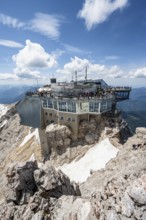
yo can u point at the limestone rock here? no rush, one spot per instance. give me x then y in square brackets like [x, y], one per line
[138, 190]
[74, 208]
[90, 139]
[127, 205]
[53, 183]
[112, 215]
[59, 138]
[20, 182]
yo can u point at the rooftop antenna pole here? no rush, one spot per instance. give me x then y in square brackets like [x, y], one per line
[76, 76]
[37, 83]
[72, 77]
[86, 73]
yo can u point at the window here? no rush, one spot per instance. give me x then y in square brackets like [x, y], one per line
[46, 113]
[55, 105]
[50, 114]
[73, 119]
[62, 106]
[47, 104]
[61, 118]
[71, 107]
[44, 103]
[103, 106]
[69, 119]
[94, 106]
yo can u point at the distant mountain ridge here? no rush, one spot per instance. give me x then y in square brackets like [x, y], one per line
[134, 109]
[10, 94]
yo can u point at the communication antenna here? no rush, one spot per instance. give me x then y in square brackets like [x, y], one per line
[37, 83]
[76, 77]
[72, 77]
[86, 73]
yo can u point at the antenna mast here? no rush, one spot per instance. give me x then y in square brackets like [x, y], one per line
[86, 73]
[76, 77]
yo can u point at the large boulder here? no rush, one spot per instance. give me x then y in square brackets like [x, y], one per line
[138, 190]
[20, 182]
[59, 138]
[54, 183]
[32, 191]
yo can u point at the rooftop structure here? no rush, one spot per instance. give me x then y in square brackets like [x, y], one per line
[69, 103]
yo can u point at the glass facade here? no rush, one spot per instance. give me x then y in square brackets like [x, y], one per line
[103, 106]
[62, 106]
[47, 104]
[71, 107]
[93, 106]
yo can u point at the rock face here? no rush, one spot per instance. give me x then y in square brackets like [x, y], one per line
[59, 139]
[39, 192]
[108, 125]
[31, 191]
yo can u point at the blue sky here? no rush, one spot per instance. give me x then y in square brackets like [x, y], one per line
[40, 39]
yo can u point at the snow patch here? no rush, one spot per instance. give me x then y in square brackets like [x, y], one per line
[32, 157]
[3, 110]
[29, 136]
[94, 159]
[3, 123]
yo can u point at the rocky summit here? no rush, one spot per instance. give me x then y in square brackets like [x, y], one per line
[99, 176]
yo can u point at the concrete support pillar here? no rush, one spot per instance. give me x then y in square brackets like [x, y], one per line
[45, 151]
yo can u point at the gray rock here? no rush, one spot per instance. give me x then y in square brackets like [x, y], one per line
[144, 216]
[53, 183]
[138, 213]
[127, 205]
[90, 139]
[138, 190]
[20, 182]
[111, 215]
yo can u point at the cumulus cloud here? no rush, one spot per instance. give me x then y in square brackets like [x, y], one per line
[8, 43]
[31, 59]
[95, 12]
[10, 21]
[94, 70]
[138, 73]
[8, 76]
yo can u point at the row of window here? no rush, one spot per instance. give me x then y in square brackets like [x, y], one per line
[71, 106]
[61, 106]
[61, 118]
[68, 119]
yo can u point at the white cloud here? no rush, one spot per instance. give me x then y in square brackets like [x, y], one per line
[8, 43]
[138, 73]
[112, 57]
[97, 11]
[8, 76]
[73, 49]
[31, 59]
[27, 73]
[94, 70]
[10, 21]
[45, 24]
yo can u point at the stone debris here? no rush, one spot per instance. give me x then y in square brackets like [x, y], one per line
[31, 192]
[36, 191]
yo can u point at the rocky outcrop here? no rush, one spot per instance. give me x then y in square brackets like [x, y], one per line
[31, 192]
[109, 124]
